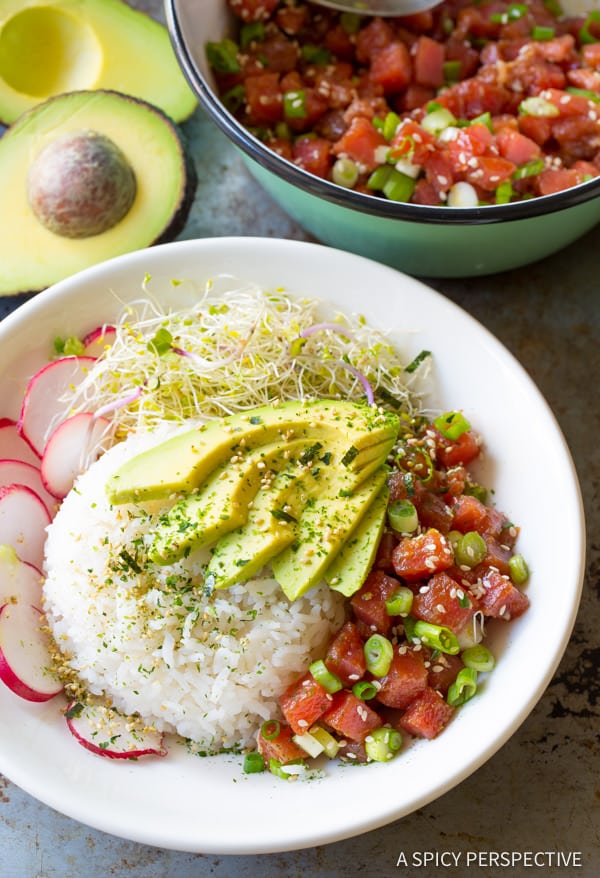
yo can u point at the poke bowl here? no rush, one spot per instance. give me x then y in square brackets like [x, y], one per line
[367, 131]
[171, 786]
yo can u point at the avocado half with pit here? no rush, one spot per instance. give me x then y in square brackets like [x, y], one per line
[49, 47]
[84, 177]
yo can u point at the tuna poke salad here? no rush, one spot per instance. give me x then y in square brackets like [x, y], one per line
[466, 104]
[235, 527]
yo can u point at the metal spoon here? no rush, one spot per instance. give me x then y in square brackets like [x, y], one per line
[379, 7]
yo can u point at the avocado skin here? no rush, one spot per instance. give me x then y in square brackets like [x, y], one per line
[135, 231]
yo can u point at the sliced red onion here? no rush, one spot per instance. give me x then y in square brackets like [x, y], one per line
[119, 403]
[322, 327]
[189, 354]
[363, 380]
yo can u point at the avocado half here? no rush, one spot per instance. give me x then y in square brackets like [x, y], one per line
[49, 47]
[31, 255]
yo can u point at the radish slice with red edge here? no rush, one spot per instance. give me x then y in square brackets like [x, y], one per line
[98, 340]
[12, 444]
[23, 522]
[17, 472]
[42, 410]
[105, 732]
[19, 581]
[72, 447]
[24, 655]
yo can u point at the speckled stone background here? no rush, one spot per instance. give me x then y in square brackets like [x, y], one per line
[541, 791]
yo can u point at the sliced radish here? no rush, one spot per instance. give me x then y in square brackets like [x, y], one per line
[42, 410]
[16, 472]
[19, 581]
[24, 655]
[108, 733]
[96, 341]
[12, 444]
[23, 522]
[73, 446]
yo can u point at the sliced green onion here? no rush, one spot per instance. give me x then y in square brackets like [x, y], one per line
[294, 104]
[234, 99]
[414, 364]
[270, 729]
[253, 763]
[454, 537]
[400, 603]
[452, 425]
[350, 22]
[403, 516]
[279, 769]
[437, 637]
[222, 56]
[463, 688]
[452, 71]
[399, 186]
[315, 54]
[390, 123]
[365, 690]
[327, 741]
[483, 119]
[382, 744]
[379, 177]
[321, 673]
[542, 33]
[251, 32]
[345, 172]
[416, 461]
[409, 628]
[309, 744]
[512, 13]
[529, 169]
[478, 658]
[504, 193]
[437, 119]
[518, 569]
[470, 550]
[585, 34]
[554, 8]
[538, 107]
[584, 93]
[378, 655]
[474, 489]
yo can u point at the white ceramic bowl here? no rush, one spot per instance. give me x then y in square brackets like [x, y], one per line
[207, 804]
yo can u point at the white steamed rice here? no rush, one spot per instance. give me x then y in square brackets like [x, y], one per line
[210, 669]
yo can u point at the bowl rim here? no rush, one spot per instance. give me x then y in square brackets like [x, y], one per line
[347, 198]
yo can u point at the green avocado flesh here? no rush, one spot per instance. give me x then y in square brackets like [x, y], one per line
[50, 47]
[96, 147]
[295, 485]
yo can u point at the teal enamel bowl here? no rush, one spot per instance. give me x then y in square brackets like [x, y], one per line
[419, 240]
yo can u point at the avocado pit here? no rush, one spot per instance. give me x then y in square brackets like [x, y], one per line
[81, 185]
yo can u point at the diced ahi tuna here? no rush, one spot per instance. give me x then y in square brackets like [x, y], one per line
[421, 556]
[351, 717]
[443, 602]
[282, 747]
[368, 604]
[346, 656]
[427, 715]
[501, 599]
[304, 702]
[406, 678]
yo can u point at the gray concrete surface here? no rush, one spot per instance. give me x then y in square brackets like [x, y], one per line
[541, 791]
